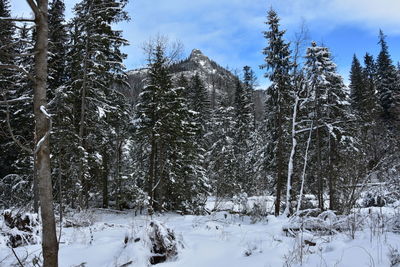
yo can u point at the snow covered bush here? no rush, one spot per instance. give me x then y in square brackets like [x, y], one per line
[19, 229]
[164, 245]
[373, 199]
[259, 211]
[240, 202]
[394, 256]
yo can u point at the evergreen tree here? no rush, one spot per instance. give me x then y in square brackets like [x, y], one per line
[277, 61]
[16, 162]
[221, 157]
[249, 81]
[357, 86]
[370, 102]
[386, 78]
[165, 133]
[199, 102]
[58, 40]
[244, 127]
[95, 68]
[328, 107]
[7, 56]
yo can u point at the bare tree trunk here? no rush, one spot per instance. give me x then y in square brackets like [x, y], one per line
[118, 172]
[83, 194]
[35, 184]
[105, 179]
[42, 150]
[279, 182]
[319, 160]
[303, 175]
[291, 158]
[332, 175]
[152, 171]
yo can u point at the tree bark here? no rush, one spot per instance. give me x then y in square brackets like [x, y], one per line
[279, 158]
[291, 158]
[105, 179]
[42, 150]
[319, 157]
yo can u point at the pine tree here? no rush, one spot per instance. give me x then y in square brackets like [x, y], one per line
[221, 157]
[16, 166]
[386, 80]
[329, 110]
[58, 40]
[199, 102]
[166, 130]
[370, 101]
[95, 67]
[7, 56]
[249, 81]
[276, 126]
[357, 86]
[244, 128]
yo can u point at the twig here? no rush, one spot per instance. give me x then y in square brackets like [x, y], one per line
[16, 256]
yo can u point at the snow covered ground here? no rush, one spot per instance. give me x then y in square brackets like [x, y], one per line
[220, 239]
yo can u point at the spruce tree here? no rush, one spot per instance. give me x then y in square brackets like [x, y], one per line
[357, 86]
[95, 68]
[221, 157]
[7, 56]
[16, 165]
[249, 81]
[370, 101]
[328, 106]
[386, 85]
[165, 133]
[199, 101]
[277, 62]
[58, 40]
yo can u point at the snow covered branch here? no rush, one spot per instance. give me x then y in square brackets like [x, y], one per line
[15, 67]
[12, 101]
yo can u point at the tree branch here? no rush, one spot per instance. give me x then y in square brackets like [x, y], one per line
[17, 19]
[12, 101]
[10, 129]
[15, 67]
[34, 7]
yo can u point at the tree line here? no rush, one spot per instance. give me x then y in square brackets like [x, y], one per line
[181, 143]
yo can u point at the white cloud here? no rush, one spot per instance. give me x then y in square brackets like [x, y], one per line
[367, 14]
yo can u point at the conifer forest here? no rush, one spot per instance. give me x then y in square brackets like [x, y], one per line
[184, 162]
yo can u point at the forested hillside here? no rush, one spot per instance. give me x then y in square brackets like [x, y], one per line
[180, 132]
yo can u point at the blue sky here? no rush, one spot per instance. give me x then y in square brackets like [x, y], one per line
[230, 31]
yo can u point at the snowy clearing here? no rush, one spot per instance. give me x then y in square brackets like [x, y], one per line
[221, 239]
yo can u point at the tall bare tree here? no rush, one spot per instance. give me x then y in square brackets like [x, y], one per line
[42, 129]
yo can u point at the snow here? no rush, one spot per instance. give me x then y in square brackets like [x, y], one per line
[101, 112]
[219, 239]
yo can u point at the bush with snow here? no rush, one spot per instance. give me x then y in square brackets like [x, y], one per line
[164, 244]
[19, 229]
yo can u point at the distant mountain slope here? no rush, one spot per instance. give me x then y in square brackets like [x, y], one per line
[219, 81]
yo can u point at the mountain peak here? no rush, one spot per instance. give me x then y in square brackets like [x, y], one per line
[201, 60]
[196, 53]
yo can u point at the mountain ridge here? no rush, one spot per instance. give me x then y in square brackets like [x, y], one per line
[219, 81]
